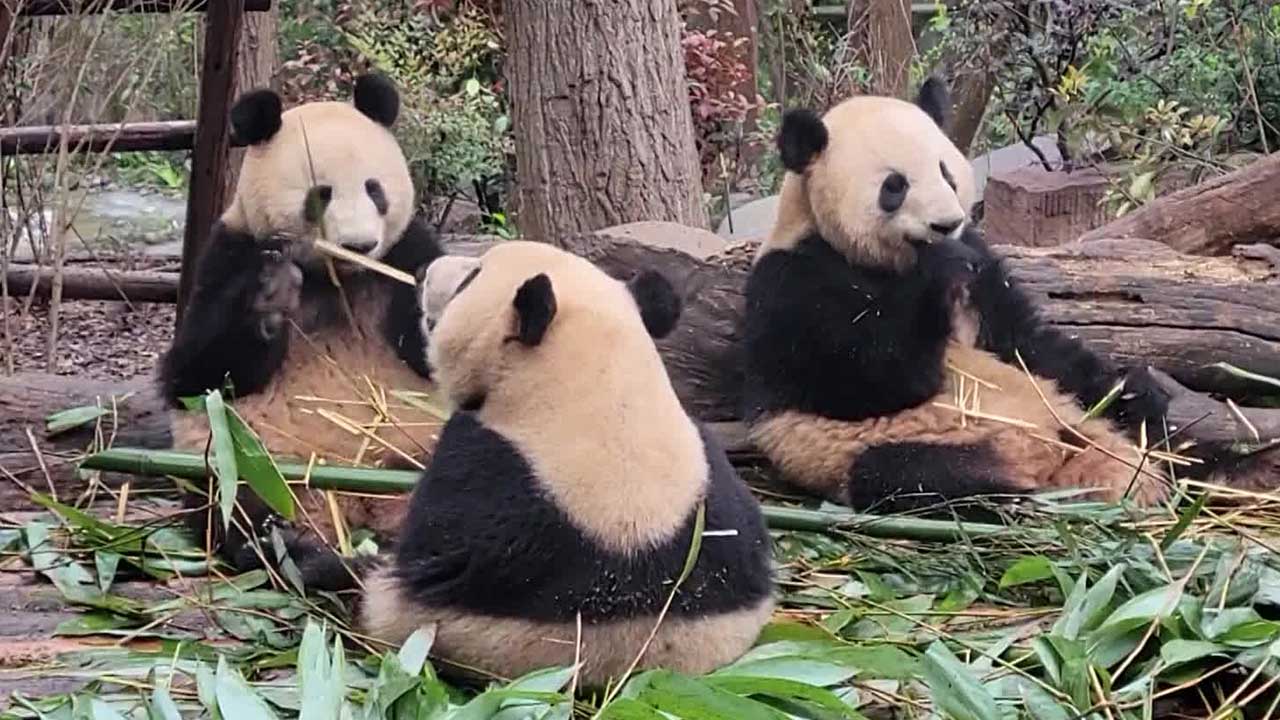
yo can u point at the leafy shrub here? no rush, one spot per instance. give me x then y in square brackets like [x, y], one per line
[446, 60]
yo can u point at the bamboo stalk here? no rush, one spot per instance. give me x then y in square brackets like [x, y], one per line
[376, 480]
[344, 254]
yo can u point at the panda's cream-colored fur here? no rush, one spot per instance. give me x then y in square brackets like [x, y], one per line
[588, 406]
[324, 143]
[624, 419]
[1000, 405]
[837, 196]
[869, 137]
[604, 649]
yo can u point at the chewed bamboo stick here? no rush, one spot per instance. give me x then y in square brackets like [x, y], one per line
[342, 253]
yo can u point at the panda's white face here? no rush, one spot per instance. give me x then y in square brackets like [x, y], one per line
[887, 180]
[329, 171]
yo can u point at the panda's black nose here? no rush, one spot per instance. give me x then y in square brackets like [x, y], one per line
[946, 227]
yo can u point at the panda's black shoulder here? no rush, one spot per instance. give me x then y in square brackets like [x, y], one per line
[419, 246]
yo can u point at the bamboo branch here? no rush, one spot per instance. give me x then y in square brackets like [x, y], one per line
[375, 480]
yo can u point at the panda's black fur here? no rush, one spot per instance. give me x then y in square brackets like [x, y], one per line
[265, 321]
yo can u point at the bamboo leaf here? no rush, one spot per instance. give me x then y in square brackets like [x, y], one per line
[224, 454]
[257, 468]
[162, 706]
[413, 654]
[236, 699]
[1028, 569]
[72, 418]
[954, 688]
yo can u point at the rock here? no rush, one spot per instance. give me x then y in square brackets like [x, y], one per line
[464, 217]
[661, 234]
[1012, 157]
[750, 221]
[1034, 207]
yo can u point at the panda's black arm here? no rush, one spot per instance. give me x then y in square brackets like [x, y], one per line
[219, 336]
[823, 337]
[1010, 322]
[417, 248]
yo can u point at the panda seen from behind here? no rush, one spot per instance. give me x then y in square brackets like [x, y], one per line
[875, 313]
[302, 340]
[567, 483]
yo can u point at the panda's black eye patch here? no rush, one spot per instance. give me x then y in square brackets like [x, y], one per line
[377, 195]
[946, 175]
[893, 192]
[317, 202]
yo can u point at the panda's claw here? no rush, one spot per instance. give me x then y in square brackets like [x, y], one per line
[279, 294]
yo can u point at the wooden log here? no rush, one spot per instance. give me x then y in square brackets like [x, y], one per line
[207, 194]
[1135, 301]
[82, 283]
[92, 7]
[104, 137]
[1209, 218]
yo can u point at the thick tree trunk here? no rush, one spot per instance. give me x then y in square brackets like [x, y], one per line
[1209, 218]
[882, 41]
[258, 66]
[601, 116]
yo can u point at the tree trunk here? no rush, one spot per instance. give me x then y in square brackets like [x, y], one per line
[258, 67]
[970, 94]
[600, 108]
[1212, 217]
[882, 41]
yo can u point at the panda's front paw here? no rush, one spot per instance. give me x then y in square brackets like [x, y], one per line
[279, 294]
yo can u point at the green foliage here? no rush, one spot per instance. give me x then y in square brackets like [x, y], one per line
[1168, 88]
[455, 129]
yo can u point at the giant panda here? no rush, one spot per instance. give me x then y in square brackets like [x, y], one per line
[875, 311]
[566, 484]
[306, 351]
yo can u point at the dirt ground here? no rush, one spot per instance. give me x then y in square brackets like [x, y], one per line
[96, 339]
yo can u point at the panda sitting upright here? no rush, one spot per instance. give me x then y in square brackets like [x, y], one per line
[562, 498]
[292, 339]
[881, 335]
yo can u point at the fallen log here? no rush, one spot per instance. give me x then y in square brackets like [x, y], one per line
[1135, 301]
[95, 283]
[1209, 218]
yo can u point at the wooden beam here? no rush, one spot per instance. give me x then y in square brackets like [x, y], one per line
[90, 7]
[104, 137]
[207, 194]
[82, 283]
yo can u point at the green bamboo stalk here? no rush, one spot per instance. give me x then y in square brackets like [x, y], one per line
[192, 466]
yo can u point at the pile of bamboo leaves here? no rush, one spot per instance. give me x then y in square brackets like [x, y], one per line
[1068, 610]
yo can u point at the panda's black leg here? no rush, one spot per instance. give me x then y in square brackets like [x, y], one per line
[233, 328]
[913, 476]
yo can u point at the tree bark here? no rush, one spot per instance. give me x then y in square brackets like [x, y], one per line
[600, 108]
[882, 41]
[969, 97]
[1212, 217]
[258, 68]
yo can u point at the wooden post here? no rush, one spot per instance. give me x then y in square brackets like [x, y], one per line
[207, 193]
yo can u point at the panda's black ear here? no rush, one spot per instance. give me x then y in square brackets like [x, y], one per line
[255, 117]
[377, 97]
[802, 137]
[535, 305]
[935, 100]
[659, 304]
